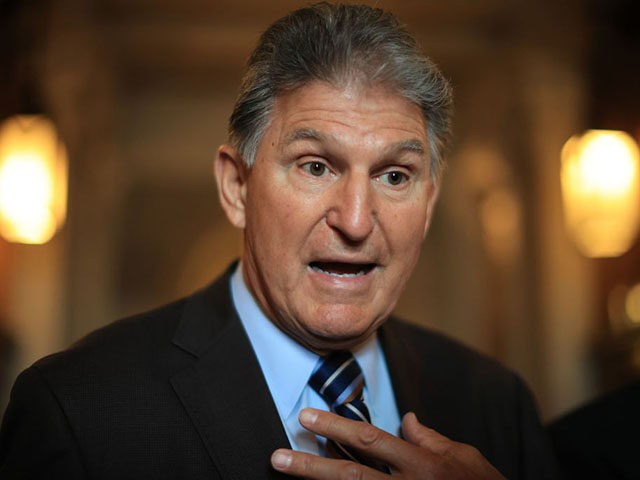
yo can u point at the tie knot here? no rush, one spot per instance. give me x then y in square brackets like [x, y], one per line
[339, 381]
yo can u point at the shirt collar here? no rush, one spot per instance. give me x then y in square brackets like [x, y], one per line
[278, 353]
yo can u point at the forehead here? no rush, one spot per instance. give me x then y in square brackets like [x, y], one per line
[319, 111]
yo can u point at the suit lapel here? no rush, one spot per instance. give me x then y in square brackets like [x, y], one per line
[430, 378]
[410, 377]
[223, 389]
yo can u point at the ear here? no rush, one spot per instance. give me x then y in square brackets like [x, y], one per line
[231, 173]
[434, 192]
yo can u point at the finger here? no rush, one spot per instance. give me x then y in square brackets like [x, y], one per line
[372, 442]
[312, 467]
[418, 434]
[463, 456]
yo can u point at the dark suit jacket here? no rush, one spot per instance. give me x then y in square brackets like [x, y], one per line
[600, 439]
[178, 393]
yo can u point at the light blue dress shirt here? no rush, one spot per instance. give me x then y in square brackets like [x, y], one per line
[287, 366]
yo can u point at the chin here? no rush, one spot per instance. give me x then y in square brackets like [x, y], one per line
[344, 330]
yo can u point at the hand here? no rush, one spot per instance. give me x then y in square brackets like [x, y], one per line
[423, 454]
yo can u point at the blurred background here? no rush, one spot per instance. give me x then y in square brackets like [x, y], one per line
[139, 92]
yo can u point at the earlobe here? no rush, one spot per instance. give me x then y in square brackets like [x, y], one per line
[231, 174]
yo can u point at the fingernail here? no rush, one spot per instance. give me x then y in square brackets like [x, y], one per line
[280, 459]
[308, 417]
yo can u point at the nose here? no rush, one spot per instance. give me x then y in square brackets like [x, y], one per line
[351, 210]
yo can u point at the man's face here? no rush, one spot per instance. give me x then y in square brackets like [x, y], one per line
[335, 210]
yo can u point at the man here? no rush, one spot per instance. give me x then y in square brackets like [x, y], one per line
[332, 171]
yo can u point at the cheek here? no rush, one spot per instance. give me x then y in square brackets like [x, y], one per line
[407, 227]
[276, 228]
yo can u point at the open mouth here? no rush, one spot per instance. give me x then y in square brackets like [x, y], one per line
[342, 269]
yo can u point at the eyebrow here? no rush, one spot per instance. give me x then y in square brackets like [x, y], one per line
[412, 145]
[305, 134]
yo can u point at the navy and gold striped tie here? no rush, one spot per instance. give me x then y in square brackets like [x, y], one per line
[339, 381]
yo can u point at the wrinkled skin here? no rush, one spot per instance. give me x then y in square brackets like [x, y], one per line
[334, 210]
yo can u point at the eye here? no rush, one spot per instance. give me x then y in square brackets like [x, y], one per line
[317, 169]
[394, 178]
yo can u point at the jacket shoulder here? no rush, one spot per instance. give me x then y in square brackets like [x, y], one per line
[128, 340]
[441, 353]
[468, 397]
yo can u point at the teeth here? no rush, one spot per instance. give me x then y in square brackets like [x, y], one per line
[340, 275]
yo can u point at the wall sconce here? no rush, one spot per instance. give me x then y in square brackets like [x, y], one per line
[33, 179]
[601, 191]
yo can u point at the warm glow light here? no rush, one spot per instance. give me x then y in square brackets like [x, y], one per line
[632, 304]
[601, 191]
[33, 180]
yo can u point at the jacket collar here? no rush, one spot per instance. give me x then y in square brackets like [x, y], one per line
[223, 389]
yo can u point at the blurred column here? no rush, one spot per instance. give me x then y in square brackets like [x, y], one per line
[556, 95]
[78, 81]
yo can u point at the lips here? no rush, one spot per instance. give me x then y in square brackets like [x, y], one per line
[342, 269]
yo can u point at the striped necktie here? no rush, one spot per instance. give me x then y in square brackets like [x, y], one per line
[339, 381]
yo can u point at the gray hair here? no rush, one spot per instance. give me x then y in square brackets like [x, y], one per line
[339, 44]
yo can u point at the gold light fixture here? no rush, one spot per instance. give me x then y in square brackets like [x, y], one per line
[33, 179]
[601, 191]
